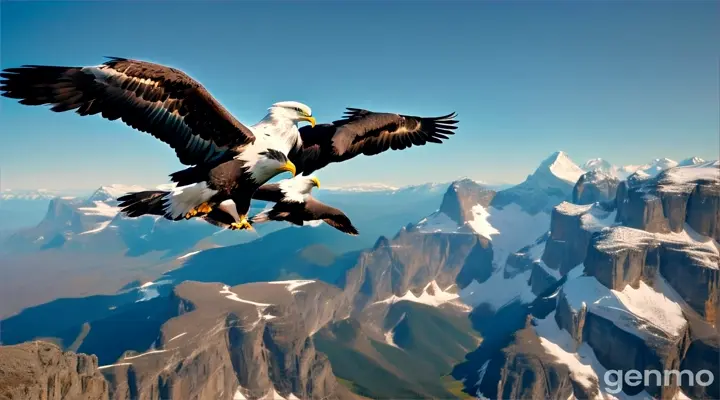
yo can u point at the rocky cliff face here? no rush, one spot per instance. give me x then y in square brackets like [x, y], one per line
[257, 340]
[251, 340]
[40, 370]
[396, 267]
[530, 373]
[603, 296]
[595, 186]
[461, 197]
[631, 298]
[674, 197]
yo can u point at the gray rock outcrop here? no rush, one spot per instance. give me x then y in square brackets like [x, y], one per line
[41, 370]
[461, 197]
[595, 186]
[252, 339]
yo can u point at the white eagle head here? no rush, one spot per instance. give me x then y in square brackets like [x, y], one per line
[296, 112]
[269, 163]
[299, 187]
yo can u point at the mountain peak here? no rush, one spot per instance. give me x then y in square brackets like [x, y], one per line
[599, 164]
[561, 166]
[112, 192]
[461, 196]
[691, 161]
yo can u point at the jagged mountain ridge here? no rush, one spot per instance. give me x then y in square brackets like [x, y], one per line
[623, 172]
[376, 312]
[617, 267]
[425, 281]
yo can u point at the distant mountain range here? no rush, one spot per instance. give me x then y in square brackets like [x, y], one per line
[25, 208]
[461, 290]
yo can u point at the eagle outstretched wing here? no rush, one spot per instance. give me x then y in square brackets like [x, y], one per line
[369, 133]
[152, 98]
[330, 215]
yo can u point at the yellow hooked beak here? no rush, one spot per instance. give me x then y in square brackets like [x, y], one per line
[289, 167]
[316, 181]
[311, 120]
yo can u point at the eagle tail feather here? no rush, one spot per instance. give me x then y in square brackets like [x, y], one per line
[151, 202]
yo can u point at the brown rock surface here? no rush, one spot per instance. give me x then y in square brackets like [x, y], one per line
[40, 370]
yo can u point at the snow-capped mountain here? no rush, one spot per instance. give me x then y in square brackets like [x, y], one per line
[24, 208]
[650, 169]
[559, 166]
[110, 193]
[29, 194]
[551, 183]
[636, 275]
[560, 293]
[94, 224]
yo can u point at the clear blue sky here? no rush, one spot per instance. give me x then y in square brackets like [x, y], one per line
[628, 82]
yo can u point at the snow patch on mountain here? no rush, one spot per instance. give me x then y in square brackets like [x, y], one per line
[190, 254]
[592, 217]
[563, 167]
[650, 169]
[112, 192]
[535, 253]
[509, 228]
[682, 179]
[480, 223]
[582, 363]
[658, 165]
[100, 209]
[431, 295]
[691, 161]
[516, 229]
[390, 334]
[498, 291]
[702, 248]
[438, 222]
[291, 286]
[233, 296]
[652, 308]
[149, 290]
[98, 228]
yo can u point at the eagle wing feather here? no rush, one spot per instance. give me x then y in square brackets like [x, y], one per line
[151, 98]
[369, 133]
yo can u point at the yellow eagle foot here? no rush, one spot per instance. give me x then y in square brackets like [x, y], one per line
[202, 209]
[243, 224]
[191, 213]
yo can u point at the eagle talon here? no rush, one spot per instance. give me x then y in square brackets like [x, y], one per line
[203, 208]
[243, 224]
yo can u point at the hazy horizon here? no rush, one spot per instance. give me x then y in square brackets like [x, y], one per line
[482, 179]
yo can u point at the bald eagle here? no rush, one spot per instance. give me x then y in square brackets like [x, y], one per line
[293, 204]
[228, 160]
